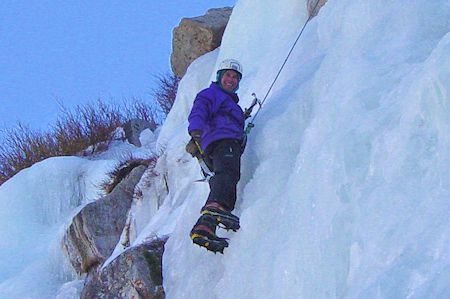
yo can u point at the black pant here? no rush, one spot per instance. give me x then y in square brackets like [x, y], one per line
[224, 158]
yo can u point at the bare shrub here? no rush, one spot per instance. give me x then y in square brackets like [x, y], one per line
[136, 108]
[86, 126]
[89, 126]
[75, 130]
[22, 147]
[166, 91]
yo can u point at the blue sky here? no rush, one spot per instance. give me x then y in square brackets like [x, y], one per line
[75, 52]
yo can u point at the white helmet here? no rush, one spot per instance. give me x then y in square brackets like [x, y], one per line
[231, 64]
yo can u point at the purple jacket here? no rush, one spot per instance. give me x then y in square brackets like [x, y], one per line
[217, 114]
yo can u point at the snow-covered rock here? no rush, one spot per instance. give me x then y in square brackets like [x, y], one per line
[133, 129]
[136, 273]
[314, 6]
[96, 229]
[194, 37]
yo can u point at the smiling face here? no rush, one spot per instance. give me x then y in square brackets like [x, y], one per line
[229, 80]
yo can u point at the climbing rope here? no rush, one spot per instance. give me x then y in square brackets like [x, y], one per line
[251, 124]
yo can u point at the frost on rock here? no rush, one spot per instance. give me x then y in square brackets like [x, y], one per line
[136, 273]
[314, 6]
[95, 230]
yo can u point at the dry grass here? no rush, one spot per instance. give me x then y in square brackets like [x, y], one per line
[90, 126]
[123, 169]
[86, 126]
[23, 147]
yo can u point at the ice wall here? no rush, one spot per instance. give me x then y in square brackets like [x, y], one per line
[35, 205]
[345, 186]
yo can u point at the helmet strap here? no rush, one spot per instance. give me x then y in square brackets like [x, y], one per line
[219, 76]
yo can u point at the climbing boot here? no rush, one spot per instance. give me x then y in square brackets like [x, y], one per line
[204, 234]
[224, 218]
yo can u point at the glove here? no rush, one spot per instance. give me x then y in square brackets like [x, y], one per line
[193, 145]
[196, 135]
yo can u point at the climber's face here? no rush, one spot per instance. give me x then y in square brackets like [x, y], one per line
[229, 80]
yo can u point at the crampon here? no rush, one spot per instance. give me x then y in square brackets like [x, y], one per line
[225, 219]
[204, 234]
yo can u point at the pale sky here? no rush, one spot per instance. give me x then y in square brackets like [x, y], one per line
[78, 51]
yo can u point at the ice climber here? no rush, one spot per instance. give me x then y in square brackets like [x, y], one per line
[216, 125]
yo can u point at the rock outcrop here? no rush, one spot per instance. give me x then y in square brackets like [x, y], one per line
[314, 6]
[96, 229]
[136, 273]
[134, 128]
[196, 36]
